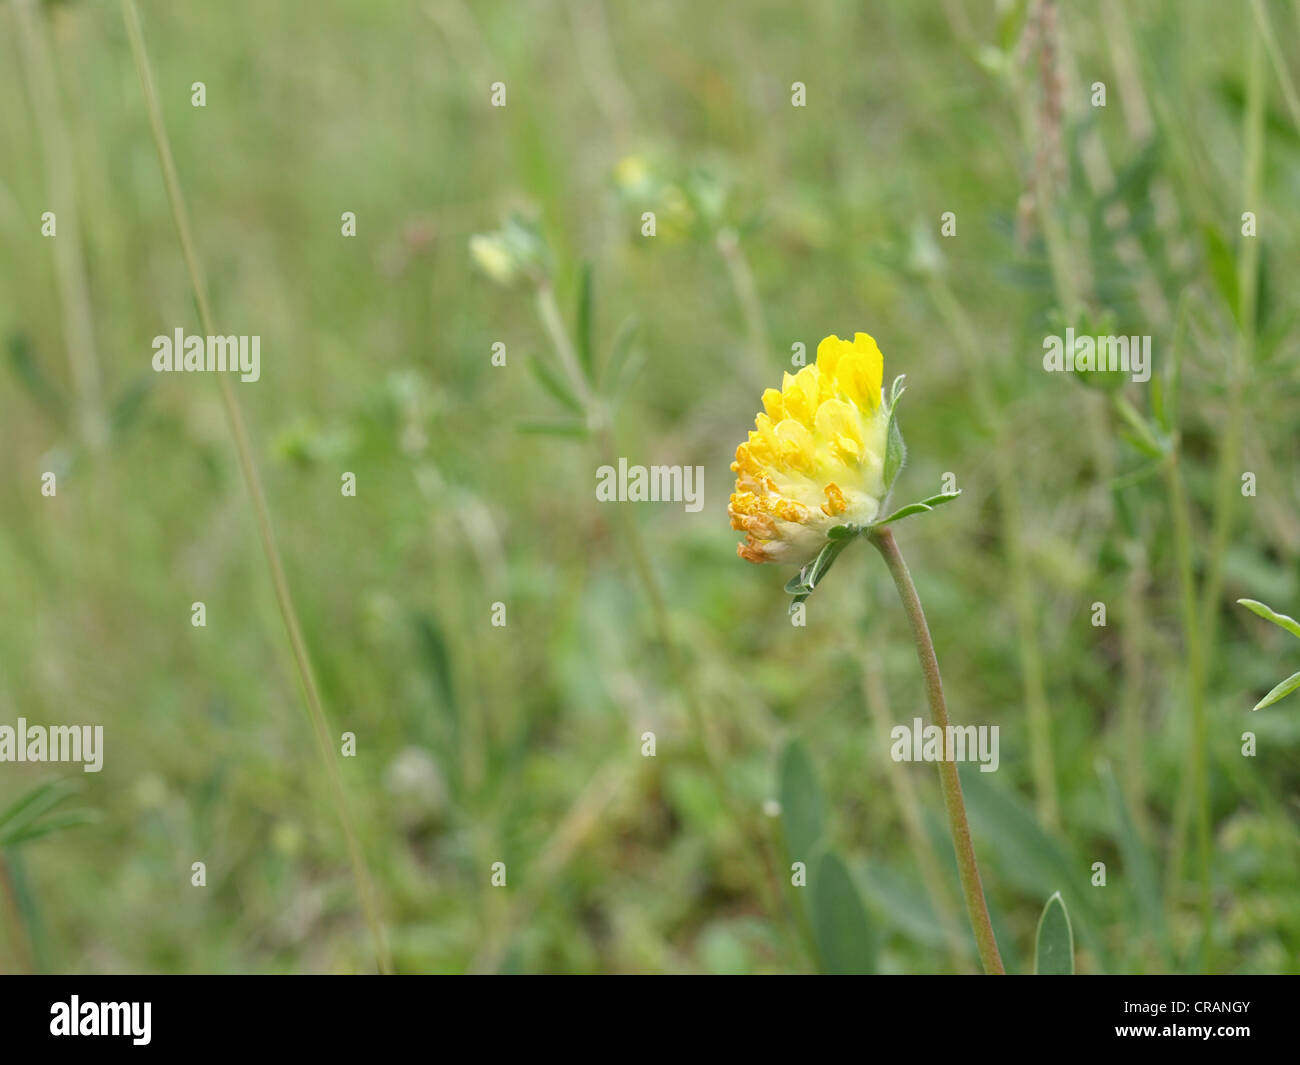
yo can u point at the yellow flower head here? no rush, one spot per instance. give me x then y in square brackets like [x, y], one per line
[816, 457]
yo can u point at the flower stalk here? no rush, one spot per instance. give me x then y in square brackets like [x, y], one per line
[882, 539]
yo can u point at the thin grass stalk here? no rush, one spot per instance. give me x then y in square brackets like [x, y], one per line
[253, 481]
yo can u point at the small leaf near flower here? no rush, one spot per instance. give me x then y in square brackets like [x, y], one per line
[919, 508]
[1269, 614]
[895, 449]
[802, 585]
[1280, 692]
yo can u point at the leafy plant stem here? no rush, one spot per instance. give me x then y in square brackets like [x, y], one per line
[549, 312]
[954, 805]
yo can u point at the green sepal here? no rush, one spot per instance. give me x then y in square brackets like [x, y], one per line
[895, 449]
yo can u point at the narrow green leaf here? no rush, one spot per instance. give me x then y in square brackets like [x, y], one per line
[554, 385]
[842, 532]
[627, 375]
[1054, 945]
[919, 508]
[840, 924]
[1223, 269]
[895, 452]
[1269, 614]
[1280, 692]
[895, 449]
[620, 351]
[1164, 391]
[1143, 437]
[36, 802]
[896, 391]
[49, 826]
[585, 348]
[29, 372]
[802, 804]
[810, 574]
[904, 512]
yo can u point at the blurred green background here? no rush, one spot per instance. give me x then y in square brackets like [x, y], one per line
[776, 225]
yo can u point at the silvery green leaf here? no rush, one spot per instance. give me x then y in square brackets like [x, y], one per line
[1269, 614]
[810, 575]
[896, 391]
[904, 512]
[919, 508]
[1280, 692]
[1054, 945]
[895, 452]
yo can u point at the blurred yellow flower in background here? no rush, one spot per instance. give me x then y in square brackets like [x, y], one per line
[816, 457]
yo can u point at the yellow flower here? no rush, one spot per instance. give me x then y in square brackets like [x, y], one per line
[816, 457]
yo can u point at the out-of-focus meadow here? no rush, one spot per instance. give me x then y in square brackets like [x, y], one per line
[775, 225]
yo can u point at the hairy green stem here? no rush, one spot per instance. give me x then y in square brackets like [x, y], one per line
[253, 480]
[955, 806]
[909, 807]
